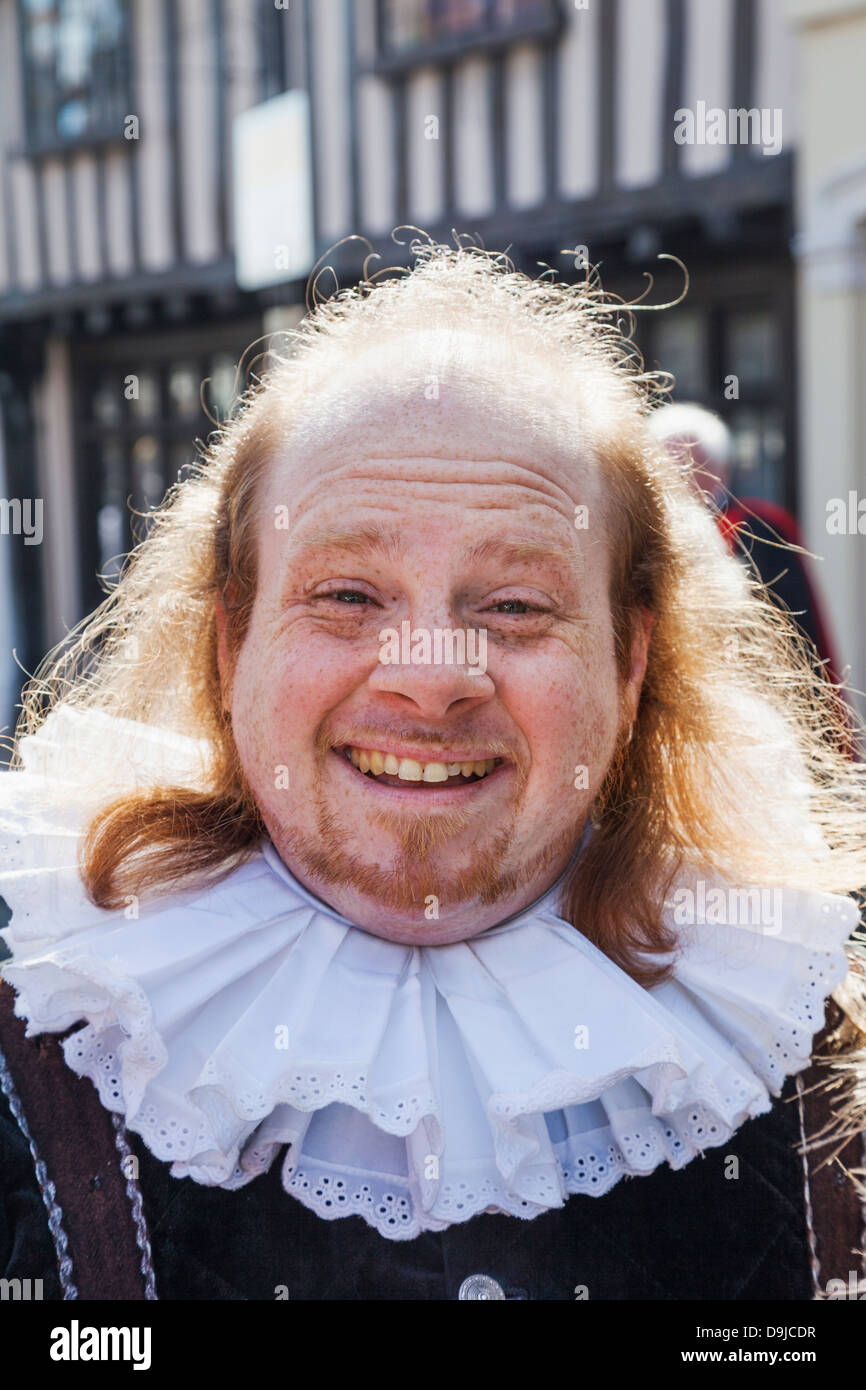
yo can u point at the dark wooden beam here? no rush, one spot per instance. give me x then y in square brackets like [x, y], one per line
[672, 98]
[550, 98]
[178, 280]
[102, 215]
[351, 55]
[132, 149]
[743, 40]
[607, 106]
[70, 205]
[310, 80]
[446, 136]
[221, 79]
[171, 39]
[10, 224]
[38, 172]
[399, 152]
[498, 133]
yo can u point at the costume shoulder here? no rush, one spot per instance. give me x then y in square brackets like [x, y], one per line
[66, 1174]
[834, 1137]
[28, 1259]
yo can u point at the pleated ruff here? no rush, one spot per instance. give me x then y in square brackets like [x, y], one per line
[247, 1022]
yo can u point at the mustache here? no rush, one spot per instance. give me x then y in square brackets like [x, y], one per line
[493, 745]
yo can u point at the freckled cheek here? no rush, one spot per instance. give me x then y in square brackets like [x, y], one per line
[568, 712]
[282, 696]
[595, 697]
[597, 736]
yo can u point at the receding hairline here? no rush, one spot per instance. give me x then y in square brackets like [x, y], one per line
[402, 373]
[330, 411]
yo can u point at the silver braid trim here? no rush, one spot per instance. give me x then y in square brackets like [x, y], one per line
[133, 1192]
[807, 1193]
[46, 1186]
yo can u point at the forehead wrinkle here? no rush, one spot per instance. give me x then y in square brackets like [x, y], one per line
[520, 550]
[423, 468]
[390, 542]
[358, 540]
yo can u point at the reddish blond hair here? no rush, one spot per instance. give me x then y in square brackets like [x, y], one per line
[734, 721]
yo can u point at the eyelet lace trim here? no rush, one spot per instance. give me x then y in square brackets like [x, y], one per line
[120, 1061]
[217, 1133]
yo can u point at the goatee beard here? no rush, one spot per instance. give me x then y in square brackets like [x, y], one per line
[413, 878]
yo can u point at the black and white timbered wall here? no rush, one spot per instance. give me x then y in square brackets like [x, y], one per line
[544, 117]
[534, 124]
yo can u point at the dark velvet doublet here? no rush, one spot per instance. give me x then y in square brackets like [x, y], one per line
[700, 1233]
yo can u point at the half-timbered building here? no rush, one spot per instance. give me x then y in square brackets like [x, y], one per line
[544, 127]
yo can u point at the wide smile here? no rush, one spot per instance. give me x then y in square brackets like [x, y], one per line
[394, 773]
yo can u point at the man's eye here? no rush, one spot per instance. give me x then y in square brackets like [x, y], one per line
[347, 595]
[517, 606]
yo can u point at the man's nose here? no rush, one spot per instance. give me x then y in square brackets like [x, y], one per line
[435, 668]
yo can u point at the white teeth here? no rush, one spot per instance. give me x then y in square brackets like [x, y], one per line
[370, 760]
[435, 772]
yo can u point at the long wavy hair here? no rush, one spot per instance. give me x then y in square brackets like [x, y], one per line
[736, 763]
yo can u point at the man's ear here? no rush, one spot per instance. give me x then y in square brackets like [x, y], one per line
[643, 622]
[225, 664]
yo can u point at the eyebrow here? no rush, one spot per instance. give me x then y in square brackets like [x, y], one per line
[389, 541]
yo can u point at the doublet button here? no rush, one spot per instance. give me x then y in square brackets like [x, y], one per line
[480, 1286]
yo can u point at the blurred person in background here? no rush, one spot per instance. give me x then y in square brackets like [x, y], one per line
[762, 533]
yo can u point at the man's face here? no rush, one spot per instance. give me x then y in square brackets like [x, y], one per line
[448, 504]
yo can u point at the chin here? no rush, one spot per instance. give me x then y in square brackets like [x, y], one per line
[407, 930]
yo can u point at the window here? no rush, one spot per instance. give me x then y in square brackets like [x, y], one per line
[142, 404]
[735, 359]
[412, 31]
[753, 347]
[76, 66]
[680, 344]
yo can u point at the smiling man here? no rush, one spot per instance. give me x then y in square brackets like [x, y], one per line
[424, 780]
[426, 953]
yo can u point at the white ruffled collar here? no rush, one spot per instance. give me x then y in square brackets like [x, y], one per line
[414, 1086]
